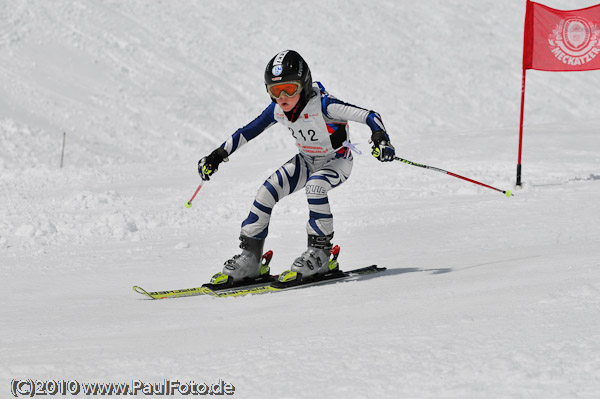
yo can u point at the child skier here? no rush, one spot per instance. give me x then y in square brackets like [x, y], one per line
[319, 123]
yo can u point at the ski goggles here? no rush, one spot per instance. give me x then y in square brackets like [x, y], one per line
[289, 89]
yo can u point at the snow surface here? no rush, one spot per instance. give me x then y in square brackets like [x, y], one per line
[485, 297]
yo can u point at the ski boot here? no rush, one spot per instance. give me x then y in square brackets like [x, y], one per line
[318, 260]
[249, 267]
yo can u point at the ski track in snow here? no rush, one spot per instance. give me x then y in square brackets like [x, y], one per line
[484, 297]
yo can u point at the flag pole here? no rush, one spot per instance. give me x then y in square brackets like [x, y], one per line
[519, 185]
[527, 60]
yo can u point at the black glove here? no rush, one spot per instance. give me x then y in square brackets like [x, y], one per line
[210, 164]
[383, 150]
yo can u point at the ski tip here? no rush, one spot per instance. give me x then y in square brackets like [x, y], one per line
[142, 291]
[139, 290]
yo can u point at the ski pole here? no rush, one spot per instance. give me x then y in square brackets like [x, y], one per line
[508, 193]
[189, 203]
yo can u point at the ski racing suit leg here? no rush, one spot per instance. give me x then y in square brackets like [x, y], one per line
[288, 179]
[326, 174]
[317, 175]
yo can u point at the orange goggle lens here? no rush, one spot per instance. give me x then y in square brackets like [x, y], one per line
[290, 89]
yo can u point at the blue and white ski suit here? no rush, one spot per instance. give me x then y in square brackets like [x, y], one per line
[324, 160]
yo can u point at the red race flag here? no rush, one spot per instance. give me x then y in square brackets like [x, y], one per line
[557, 40]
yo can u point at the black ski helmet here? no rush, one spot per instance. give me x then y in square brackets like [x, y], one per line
[289, 66]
